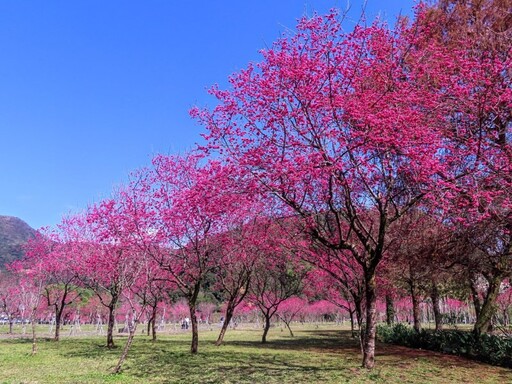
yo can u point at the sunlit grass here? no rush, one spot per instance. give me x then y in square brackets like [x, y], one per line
[323, 354]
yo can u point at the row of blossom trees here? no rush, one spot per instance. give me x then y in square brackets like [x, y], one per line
[367, 163]
[183, 224]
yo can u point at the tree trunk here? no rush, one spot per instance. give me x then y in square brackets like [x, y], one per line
[152, 323]
[110, 328]
[371, 320]
[359, 319]
[415, 307]
[289, 329]
[57, 330]
[489, 306]
[476, 297]
[58, 321]
[227, 318]
[34, 339]
[390, 310]
[59, 310]
[192, 300]
[126, 348]
[11, 323]
[438, 317]
[153, 327]
[352, 325]
[265, 329]
[195, 333]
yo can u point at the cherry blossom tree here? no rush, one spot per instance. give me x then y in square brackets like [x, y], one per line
[277, 276]
[346, 293]
[478, 104]
[109, 260]
[52, 256]
[29, 290]
[154, 295]
[340, 127]
[505, 304]
[482, 252]
[325, 310]
[195, 202]
[289, 310]
[179, 310]
[139, 296]
[240, 250]
[414, 260]
[207, 309]
[9, 297]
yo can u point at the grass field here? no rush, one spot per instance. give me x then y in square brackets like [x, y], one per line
[315, 355]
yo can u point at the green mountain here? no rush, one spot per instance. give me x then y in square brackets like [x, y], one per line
[14, 233]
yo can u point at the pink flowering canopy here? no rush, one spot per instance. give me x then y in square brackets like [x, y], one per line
[337, 122]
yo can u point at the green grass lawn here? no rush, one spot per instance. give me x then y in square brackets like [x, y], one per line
[315, 355]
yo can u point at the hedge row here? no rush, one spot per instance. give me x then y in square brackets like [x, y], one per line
[496, 350]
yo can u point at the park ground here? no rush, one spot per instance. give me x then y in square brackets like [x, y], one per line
[317, 354]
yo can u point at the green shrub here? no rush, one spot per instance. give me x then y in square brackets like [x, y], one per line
[496, 350]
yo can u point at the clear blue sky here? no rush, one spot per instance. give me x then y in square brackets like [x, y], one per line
[92, 89]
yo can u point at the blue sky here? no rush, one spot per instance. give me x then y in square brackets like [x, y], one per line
[91, 90]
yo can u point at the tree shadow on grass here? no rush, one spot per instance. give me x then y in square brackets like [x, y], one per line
[328, 341]
[219, 365]
[95, 349]
[400, 356]
[238, 361]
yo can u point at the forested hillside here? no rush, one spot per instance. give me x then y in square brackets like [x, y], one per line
[14, 232]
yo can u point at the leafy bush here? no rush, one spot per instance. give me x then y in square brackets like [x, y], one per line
[400, 334]
[496, 350]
